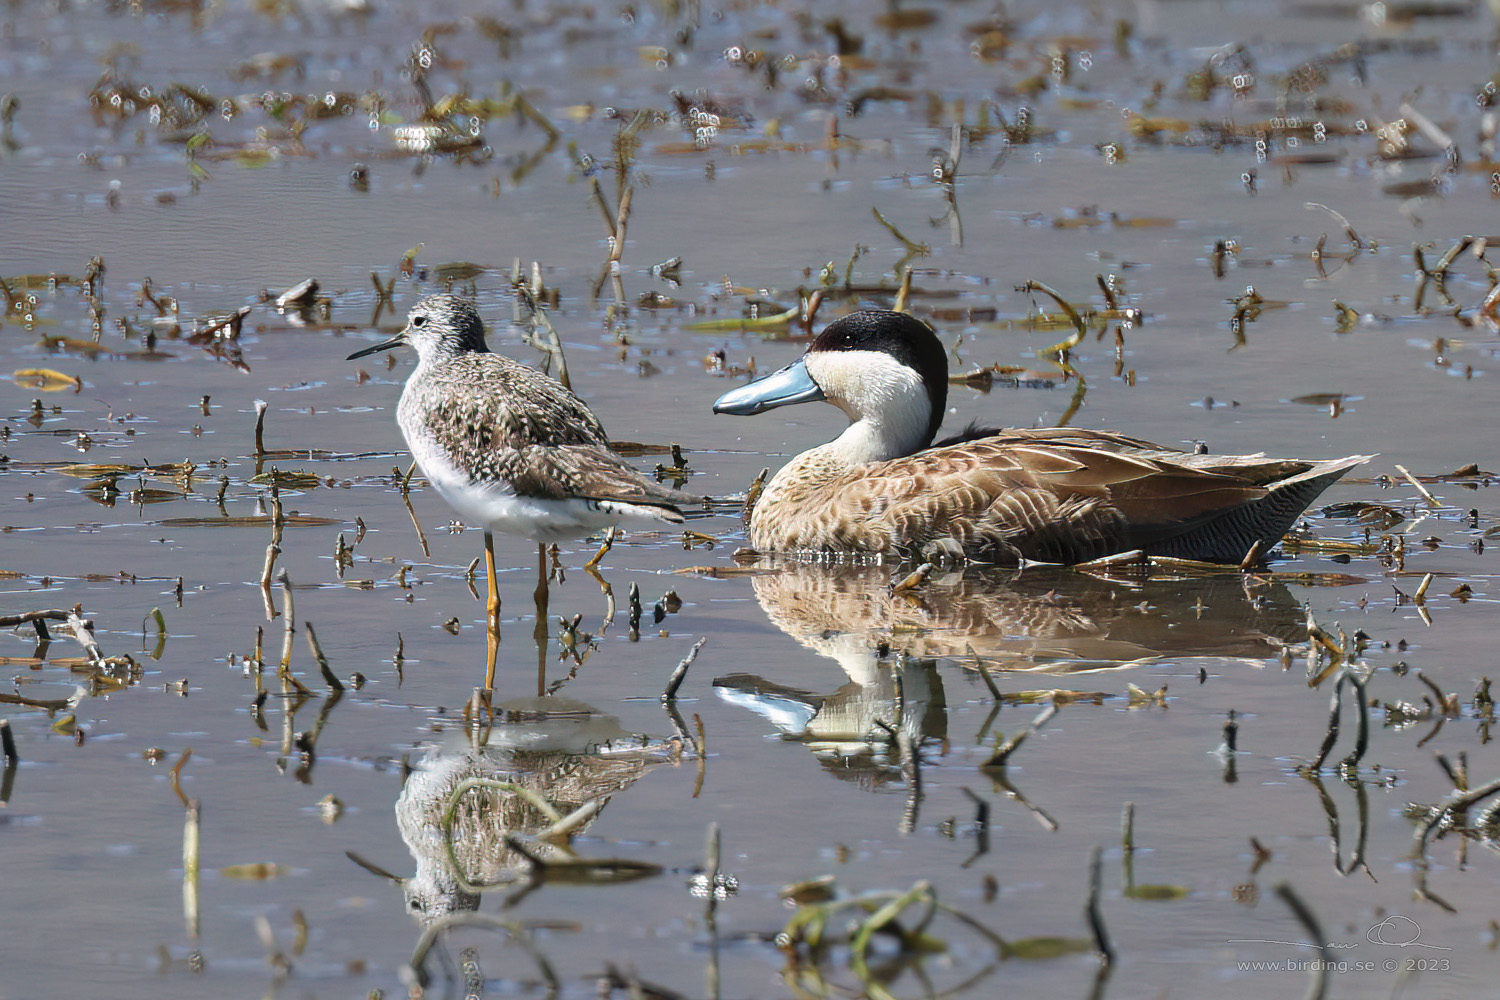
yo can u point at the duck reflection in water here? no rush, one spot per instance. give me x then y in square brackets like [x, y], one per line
[1047, 621]
[552, 749]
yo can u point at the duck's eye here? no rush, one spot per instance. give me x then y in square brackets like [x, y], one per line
[419, 321]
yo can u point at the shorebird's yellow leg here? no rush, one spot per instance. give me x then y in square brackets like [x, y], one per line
[539, 634]
[492, 608]
[492, 611]
[492, 649]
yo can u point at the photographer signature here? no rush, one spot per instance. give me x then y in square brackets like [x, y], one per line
[1395, 931]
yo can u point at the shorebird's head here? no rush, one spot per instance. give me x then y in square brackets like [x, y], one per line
[886, 370]
[437, 325]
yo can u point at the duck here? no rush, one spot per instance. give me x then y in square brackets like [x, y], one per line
[884, 489]
[508, 447]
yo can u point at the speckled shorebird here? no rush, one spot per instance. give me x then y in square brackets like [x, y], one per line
[883, 489]
[508, 447]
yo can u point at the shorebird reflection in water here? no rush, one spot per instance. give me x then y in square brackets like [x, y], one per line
[883, 489]
[561, 752]
[508, 447]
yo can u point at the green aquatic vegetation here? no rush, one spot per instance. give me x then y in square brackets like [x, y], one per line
[829, 928]
[775, 322]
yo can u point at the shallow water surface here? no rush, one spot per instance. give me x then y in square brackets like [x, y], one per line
[184, 822]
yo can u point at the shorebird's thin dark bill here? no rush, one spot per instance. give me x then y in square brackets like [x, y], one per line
[383, 346]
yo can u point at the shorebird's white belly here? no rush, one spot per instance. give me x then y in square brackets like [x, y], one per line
[494, 506]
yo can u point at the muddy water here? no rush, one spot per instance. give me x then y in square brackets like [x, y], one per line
[822, 758]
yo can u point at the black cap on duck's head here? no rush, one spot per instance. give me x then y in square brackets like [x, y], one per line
[437, 325]
[896, 336]
[886, 370]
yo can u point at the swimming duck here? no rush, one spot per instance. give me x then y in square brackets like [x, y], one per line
[510, 448]
[882, 488]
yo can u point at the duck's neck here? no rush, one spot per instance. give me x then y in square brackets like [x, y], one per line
[892, 434]
[862, 442]
[890, 417]
[899, 426]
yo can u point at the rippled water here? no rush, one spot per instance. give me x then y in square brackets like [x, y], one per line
[844, 729]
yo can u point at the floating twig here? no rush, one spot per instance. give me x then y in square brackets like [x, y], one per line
[911, 773]
[83, 631]
[260, 431]
[1336, 700]
[290, 617]
[702, 754]
[38, 620]
[903, 294]
[540, 321]
[272, 551]
[1435, 135]
[914, 579]
[1443, 812]
[191, 853]
[711, 853]
[1318, 988]
[622, 221]
[680, 673]
[753, 491]
[563, 829]
[981, 826]
[1348, 229]
[404, 485]
[329, 677]
[1446, 703]
[1231, 734]
[1080, 329]
[1010, 746]
[1421, 592]
[913, 248]
[1432, 501]
[1095, 915]
[175, 776]
[984, 675]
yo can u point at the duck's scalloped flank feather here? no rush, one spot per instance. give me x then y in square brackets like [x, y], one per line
[1046, 496]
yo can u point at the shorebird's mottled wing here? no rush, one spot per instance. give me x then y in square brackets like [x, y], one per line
[481, 402]
[557, 473]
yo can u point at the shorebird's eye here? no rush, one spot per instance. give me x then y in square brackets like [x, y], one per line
[419, 321]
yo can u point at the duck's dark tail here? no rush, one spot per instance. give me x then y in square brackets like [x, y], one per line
[1229, 534]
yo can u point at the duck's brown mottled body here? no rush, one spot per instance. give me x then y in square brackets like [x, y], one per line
[1054, 495]
[1044, 496]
